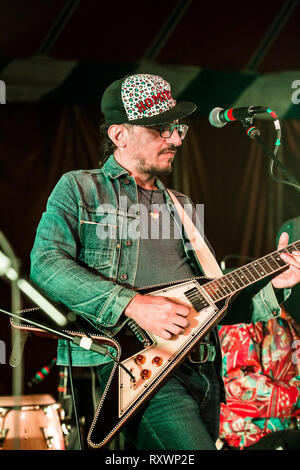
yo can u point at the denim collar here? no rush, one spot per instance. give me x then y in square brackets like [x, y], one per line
[112, 168]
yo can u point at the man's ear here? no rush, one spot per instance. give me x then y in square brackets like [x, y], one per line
[118, 135]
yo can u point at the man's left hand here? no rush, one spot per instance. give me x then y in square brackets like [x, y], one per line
[291, 276]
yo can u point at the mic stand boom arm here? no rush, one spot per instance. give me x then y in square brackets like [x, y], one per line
[11, 274]
[84, 342]
[254, 133]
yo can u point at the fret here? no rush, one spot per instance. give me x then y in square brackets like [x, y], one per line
[223, 286]
[246, 275]
[253, 279]
[236, 280]
[268, 263]
[254, 269]
[210, 289]
[229, 284]
[218, 291]
[239, 273]
[230, 278]
[273, 262]
[278, 260]
[290, 248]
[213, 290]
[266, 269]
[294, 246]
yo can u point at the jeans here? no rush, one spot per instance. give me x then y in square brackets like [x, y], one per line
[182, 415]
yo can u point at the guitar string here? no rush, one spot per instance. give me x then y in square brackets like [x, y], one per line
[212, 284]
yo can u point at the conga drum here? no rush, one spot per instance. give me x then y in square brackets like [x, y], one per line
[31, 422]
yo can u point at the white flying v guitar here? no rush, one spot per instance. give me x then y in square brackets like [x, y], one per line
[147, 360]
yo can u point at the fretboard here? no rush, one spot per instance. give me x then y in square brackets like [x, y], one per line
[236, 280]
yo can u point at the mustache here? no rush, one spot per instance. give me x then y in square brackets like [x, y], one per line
[171, 148]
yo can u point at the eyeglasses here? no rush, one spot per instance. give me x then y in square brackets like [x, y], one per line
[167, 129]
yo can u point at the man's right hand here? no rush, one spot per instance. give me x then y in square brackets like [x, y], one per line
[158, 315]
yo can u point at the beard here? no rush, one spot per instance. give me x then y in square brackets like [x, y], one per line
[156, 170]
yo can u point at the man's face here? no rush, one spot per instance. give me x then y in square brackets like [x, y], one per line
[149, 152]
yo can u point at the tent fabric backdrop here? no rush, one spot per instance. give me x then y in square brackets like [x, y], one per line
[220, 168]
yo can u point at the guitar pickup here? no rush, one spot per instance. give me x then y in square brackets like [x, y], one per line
[196, 299]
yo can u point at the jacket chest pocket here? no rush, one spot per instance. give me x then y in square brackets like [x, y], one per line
[98, 243]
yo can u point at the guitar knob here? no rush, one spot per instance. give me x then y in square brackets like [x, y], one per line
[157, 361]
[140, 359]
[146, 374]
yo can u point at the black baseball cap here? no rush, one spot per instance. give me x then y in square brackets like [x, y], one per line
[142, 99]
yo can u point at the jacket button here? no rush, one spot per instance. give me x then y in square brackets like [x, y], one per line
[128, 243]
[126, 181]
[124, 277]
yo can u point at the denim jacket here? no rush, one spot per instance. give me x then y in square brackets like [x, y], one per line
[83, 258]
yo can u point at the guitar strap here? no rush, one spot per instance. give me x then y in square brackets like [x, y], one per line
[205, 257]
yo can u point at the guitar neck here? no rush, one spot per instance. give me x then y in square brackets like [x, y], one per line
[248, 274]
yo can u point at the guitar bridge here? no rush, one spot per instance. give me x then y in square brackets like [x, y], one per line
[139, 333]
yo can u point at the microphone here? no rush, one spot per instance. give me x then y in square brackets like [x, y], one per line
[219, 117]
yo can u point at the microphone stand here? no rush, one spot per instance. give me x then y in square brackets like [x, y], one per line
[83, 341]
[254, 134]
